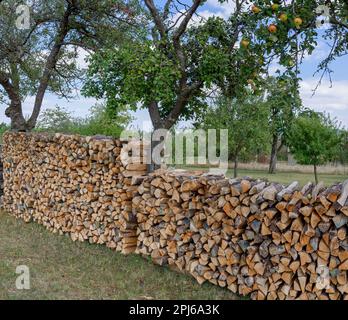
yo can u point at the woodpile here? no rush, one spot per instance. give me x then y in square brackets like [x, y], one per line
[1, 177]
[71, 184]
[253, 237]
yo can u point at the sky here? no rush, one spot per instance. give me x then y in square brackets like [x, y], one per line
[330, 98]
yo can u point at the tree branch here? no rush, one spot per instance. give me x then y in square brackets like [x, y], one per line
[180, 103]
[7, 85]
[50, 65]
[157, 18]
[183, 25]
[166, 9]
[155, 115]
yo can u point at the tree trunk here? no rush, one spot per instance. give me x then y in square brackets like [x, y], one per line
[315, 174]
[235, 167]
[14, 112]
[273, 160]
[157, 124]
[154, 165]
[51, 63]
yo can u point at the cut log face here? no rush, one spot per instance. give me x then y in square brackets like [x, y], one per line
[252, 237]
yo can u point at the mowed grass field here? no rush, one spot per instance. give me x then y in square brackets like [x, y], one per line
[288, 177]
[280, 176]
[63, 269]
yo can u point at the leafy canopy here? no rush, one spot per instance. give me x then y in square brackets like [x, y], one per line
[101, 121]
[177, 72]
[314, 138]
[246, 121]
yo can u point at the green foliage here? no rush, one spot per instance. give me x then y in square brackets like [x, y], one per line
[283, 99]
[246, 121]
[3, 128]
[291, 42]
[101, 121]
[314, 139]
[56, 119]
[151, 69]
[213, 60]
[134, 73]
[44, 56]
[23, 54]
[343, 150]
[226, 63]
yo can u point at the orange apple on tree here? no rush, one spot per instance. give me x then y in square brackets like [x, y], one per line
[290, 62]
[255, 9]
[245, 43]
[283, 17]
[272, 28]
[275, 6]
[298, 21]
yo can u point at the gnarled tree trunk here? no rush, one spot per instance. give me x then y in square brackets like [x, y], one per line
[14, 112]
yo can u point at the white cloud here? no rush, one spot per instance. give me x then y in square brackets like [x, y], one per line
[212, 8]
[320, 52]
[334, 97]
[333, 100]
[221, 9]
[205, 14]
[81, 59]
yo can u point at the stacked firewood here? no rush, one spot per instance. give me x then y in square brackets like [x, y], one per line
[1, 177]
[253, 237]
[133, 168]
[71, 184]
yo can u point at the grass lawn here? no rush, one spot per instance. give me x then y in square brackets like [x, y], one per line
[280, 176]
[288, 177]
[62, 269]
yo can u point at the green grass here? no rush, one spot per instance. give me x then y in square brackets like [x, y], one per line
[62, 269]
[280, 176]
[288, 177]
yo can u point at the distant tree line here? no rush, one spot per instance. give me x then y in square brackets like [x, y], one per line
[100, 121]
[273, 118]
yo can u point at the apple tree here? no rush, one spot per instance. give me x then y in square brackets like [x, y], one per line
[42, 54]
[246, 120]
[314, 139]
[173, 65]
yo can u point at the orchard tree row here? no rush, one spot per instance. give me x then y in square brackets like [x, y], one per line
[263, 124]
